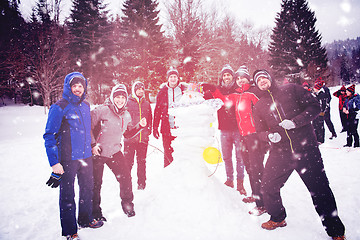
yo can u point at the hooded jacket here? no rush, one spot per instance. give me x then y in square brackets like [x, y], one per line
[67, 133]
[109, 124]
[138, 109]
[291, 102]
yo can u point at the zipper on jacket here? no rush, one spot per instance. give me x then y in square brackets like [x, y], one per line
[277, 110]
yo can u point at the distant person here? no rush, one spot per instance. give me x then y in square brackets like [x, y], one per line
[138, 108]
[319, 121]
[351, 108]
[306, 86]
[68, 147]
[109, 123]
[170, 93]
[341, 94]
[283, 117]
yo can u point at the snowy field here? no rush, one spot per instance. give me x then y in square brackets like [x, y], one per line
[180, 202]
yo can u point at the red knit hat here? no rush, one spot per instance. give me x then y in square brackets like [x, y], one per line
[343, 88]
[319, 79]
[318, 85]
[306, 84]
[351, 89]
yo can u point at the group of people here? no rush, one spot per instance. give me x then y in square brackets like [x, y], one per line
[261, 116]
[79, 142]
[257, 117]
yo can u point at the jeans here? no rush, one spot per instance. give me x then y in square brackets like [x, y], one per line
[83, 169]
[228, 140]
[140, 149]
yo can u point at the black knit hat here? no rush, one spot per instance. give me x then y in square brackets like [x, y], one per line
[261, 73]
[76, 80]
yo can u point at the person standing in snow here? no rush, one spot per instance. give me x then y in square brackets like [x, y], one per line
[327, 117]
[318, 122]
[229, 132]
[169, 94]
[252, 151]
[283, 117]
[68, 147]
[138, 108]
[109, 123]
[341, 94]
[351, 108]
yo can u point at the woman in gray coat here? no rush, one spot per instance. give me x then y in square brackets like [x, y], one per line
[109, 123]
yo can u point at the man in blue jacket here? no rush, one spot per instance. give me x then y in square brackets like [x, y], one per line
[68, 147]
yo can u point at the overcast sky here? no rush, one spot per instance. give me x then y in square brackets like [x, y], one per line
[336, 19]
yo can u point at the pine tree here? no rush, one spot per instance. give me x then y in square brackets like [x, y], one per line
[295, 47]
[90, 45]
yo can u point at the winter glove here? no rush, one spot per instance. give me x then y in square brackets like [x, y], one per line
[54, 180]
[274, 137]
[287, 124]
[208, 87]
[156, 133]
[322, 114]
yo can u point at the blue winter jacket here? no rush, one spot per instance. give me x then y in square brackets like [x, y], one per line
[67, 133]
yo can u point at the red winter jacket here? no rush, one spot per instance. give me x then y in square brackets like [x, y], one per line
[244, 102]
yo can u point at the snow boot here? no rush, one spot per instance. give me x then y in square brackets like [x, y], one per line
[128, 209]
[339, 238]
[250, 199]
[73, 237]
[271, 225]
[93, 224]
[333, 136]
[240, 187]
[258, 211]
[229, 183]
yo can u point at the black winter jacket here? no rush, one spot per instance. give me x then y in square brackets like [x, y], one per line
[291, 102]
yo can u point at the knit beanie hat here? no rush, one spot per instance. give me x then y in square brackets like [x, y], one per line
[138, 85]
[351, 89]
[318, 85]
[171, 71]
[76, 80]
[243, 71]
[306, 84]
[226, 69]
[118, 90]
[261, 73]
[343, 88]
[319, 79]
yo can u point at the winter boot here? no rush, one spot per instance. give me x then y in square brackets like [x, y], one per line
[271, 225]
[240, 187]
[94, 224]
[128, 209]
[339, 238]
[250, 199]
[73, 237]
[258, 211]
[348, 141]
[333, 136]
[229, 183]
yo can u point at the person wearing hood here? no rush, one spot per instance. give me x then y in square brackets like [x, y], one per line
[341, 94]
[229, 132]
[68, 147]
[318, 122]
[351, 108]
[170, 93]
[283, 118]
[138, 108]
[110, 122]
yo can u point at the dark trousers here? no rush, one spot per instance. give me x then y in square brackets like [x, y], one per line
[343, 118]
[140, 149]
[352, 133]
[329, 123]
[318, 124]
[253, 153]
[121, 169]
[83, 169]
[168, 150]
[280, 164]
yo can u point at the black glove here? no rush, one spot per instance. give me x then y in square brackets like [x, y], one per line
[156, 133]
[208, 87]
[54, 180]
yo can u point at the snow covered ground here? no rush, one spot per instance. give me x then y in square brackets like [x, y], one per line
[179, 202]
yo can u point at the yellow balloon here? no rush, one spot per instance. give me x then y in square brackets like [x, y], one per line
[212, 155]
